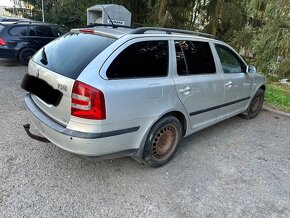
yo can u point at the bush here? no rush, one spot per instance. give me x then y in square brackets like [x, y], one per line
[273, 78]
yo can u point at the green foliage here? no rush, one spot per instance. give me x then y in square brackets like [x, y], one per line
[266, 35]
[273, 78]
[225, 17]
[278, 96]
[273, 41]
[242, 40]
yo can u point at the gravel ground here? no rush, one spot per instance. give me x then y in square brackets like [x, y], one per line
[238, 168]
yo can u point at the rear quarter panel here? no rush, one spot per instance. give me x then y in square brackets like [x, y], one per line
[131, 99]
[132, 102]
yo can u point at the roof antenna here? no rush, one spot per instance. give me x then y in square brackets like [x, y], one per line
[109, 17]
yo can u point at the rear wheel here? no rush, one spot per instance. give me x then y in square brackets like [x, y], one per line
[25, 55]
[162, 142]
[255, 105]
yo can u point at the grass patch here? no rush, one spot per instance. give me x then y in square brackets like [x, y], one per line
[278, 96]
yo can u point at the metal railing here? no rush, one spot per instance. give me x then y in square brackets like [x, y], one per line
[143, 30]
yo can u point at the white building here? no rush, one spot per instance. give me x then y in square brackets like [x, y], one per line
[16, 8]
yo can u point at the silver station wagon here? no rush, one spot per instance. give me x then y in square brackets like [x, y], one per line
[111, 92]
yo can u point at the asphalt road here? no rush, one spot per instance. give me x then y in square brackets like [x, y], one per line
[238, 168]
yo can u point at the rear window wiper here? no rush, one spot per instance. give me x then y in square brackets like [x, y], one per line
[44, 57]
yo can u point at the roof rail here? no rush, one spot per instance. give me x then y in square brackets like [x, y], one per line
[28, 21]
[142, 30]
[106, 25]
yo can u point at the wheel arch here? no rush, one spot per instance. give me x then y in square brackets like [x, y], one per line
[180, 116]
[26, 47]
[176, 113]
[20, 59]
[263, 87]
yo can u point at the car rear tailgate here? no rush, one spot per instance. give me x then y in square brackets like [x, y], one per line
[62, 112]
[58, 65]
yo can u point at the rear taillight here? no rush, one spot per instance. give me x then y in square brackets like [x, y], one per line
[2, 42]
[87, 102]
[87, 31]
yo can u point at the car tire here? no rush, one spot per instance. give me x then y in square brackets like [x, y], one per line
[162, 142]
[255, 105]
[25, 55]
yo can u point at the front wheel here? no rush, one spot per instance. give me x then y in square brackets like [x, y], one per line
[162, 142]
[255, 105]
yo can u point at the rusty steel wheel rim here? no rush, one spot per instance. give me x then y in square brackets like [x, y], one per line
[256, 104]
[164, 142]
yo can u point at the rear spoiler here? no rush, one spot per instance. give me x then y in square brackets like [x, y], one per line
[95, 32]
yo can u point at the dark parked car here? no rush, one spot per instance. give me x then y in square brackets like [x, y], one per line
[20, 40]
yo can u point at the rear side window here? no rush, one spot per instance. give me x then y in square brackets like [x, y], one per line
[69, 54]
[194, 57]
[18, 31]
[1, 28]
[139, 60]
[42, 31]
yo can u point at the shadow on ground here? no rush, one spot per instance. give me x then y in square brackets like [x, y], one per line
[9, 63]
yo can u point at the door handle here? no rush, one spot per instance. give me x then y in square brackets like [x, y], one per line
[229, 84]
[186, 90]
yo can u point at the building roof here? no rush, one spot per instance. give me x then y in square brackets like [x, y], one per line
[109, 7]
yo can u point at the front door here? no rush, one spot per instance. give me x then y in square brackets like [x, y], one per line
[237, 83]
[198, 85]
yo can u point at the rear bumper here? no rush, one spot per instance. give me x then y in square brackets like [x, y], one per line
[8, 53]
[115, 143]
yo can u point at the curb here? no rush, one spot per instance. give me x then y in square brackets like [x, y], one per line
[266, 108]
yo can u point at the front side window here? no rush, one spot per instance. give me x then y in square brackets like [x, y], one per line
[19, 31]
[194, 57]
[43, 31]
[61, 30]
[229, 60]
[139, 60]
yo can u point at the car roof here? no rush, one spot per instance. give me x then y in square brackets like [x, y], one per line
[121, 31]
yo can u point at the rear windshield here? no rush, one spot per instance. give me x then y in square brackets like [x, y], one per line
[69, 54]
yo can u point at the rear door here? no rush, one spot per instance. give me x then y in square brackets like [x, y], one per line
[238, 83]
[40, 35]
[198, 84]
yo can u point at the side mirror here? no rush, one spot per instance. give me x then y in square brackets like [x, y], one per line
[251, 69]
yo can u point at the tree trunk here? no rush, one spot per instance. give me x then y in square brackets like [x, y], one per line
[214, 12]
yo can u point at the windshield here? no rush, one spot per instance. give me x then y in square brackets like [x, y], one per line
[69, 54]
